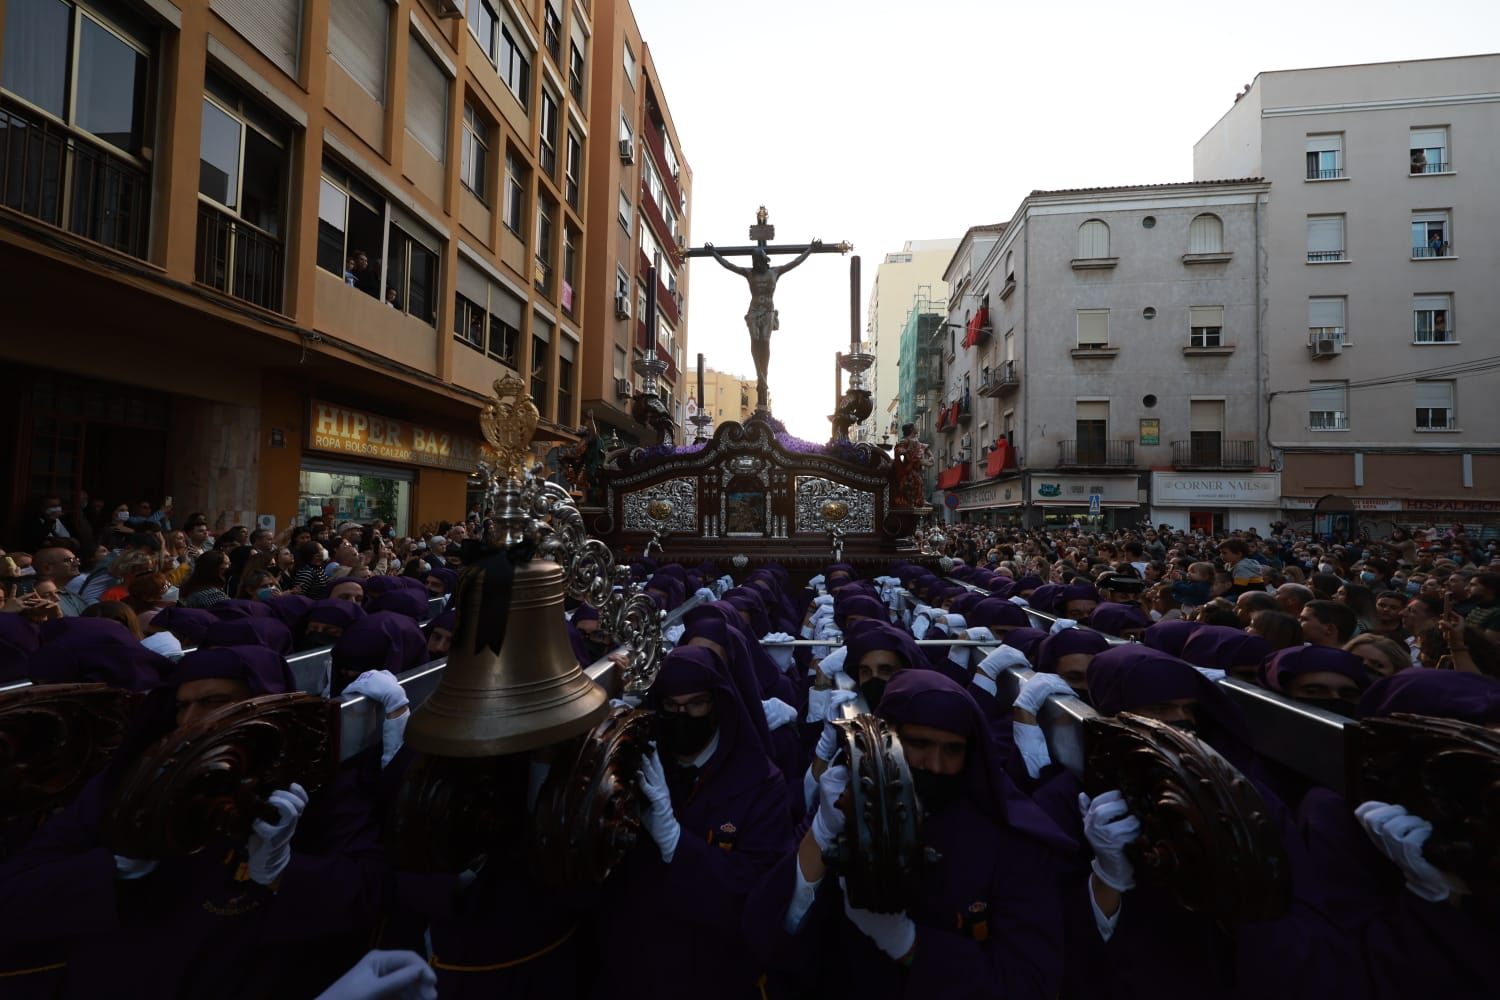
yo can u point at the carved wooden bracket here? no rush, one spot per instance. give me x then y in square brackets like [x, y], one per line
[1443, 770]
[53, 739]
[589, 812]
[880, 853]
[1206, 834]
[210, 779]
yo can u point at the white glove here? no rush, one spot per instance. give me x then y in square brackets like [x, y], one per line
[778, 713]
[625, 701]
[1032, 744]
[828, 822]
[919, 626]
[1399, 836]
[780, 655]
[833, 662]
[823, 706]
[1037, 689]
[828, 743]
[672, 633]
[954, 623]
[978, 634]
[270, 844]
[893, 933]
[1019, 602]
[1212, 673]
[817, 581]
[704, 593]
[385, 975]
[1109, 826]
[1061, 624]
[132, 868]
[724, 583]
[380, 686]
[823, 600]
[658, 819]
[1000, 658]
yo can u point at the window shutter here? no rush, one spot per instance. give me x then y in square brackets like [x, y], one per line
[272, 26]
[333, 204]
[1206, 316]
[1093, 409]
[1430, 217]
[1325, 143]
[1435, 395]
[541, 329]
[565, 348]
[1206, 235]
[1093, 326]
[1093, 240]
[1325, 233]
[472, 284]
[1424, 302]
[426, 100]
[357, 34]
[1328, 398]
[1427, 138]
[506, 306]
[1325, 312]
[1206, 415]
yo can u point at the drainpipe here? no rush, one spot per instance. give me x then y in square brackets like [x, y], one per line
[1260, 364]
[1025, 414]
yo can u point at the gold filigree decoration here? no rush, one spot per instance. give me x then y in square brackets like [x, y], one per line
[659, 510]
[835, 510]
[508, 423]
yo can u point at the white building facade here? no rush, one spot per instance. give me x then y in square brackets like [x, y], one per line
[910, 278]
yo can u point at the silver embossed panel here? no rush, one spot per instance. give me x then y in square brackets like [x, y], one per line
[674, 502]
[814, 493]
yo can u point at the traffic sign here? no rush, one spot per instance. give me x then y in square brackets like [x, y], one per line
[1094, 504]
[951, 501]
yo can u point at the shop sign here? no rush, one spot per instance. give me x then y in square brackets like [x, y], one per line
[1359, 503]
[348, 431]
[989, 493]
[1455, 506]
[1254, 489]
[1068, 491]
[1150, 431]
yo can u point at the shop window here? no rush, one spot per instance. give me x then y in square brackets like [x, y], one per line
[338, 492]
[351, 228]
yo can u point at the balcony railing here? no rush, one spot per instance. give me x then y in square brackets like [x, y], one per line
[52, 174]
[1001, 378]
[1213, 454]
[1431, 167]
[1436, 420]
[1327, 174]
[238, 259]
[1324, 256]
[1328, 420]
[1095, 454]
[1333, 333]
[1441, 249]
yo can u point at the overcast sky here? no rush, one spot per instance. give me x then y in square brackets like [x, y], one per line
[881, 121]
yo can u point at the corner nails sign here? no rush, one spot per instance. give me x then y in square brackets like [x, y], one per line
[355, 432]
[1251, 489]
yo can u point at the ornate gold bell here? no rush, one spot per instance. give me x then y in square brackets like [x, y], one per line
[530, 692]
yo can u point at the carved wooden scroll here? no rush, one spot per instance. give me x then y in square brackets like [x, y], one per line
[210, 779]
[589, 811]
[1206, 834]
[1443, 770]
[53, 739]
[880, 853]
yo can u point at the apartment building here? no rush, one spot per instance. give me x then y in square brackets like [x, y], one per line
[1382, 236]
[1099, 357]
[639, 196]
[726, 397]
[902, 279]
[268, 259]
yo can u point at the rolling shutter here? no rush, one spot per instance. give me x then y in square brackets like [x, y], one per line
[426, 100]
[357, 38]
[272, 26]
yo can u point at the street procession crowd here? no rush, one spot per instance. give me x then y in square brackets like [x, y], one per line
[728, 890]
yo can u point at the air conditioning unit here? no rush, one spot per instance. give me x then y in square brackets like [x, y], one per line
[627, 150]
[622, 307]
[966, 442]
[963, 456]
[622, 388]
[1327, 347]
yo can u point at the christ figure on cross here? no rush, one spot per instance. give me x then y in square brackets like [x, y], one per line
[762, 318]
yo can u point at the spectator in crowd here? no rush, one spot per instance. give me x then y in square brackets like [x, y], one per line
[308, 578]
[205, 587]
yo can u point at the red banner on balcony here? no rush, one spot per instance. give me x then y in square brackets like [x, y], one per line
[951, 477]
[1001, 458]
[977, 323]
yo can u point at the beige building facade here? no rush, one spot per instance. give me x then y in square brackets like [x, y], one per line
[909, 279]
[1382, 237]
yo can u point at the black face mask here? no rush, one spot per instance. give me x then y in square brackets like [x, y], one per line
[935, 791]
[1335, 705]
[315, 640]
[871, 691]
[684, 735]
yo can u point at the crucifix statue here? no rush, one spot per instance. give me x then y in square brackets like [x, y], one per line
[762, 318]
